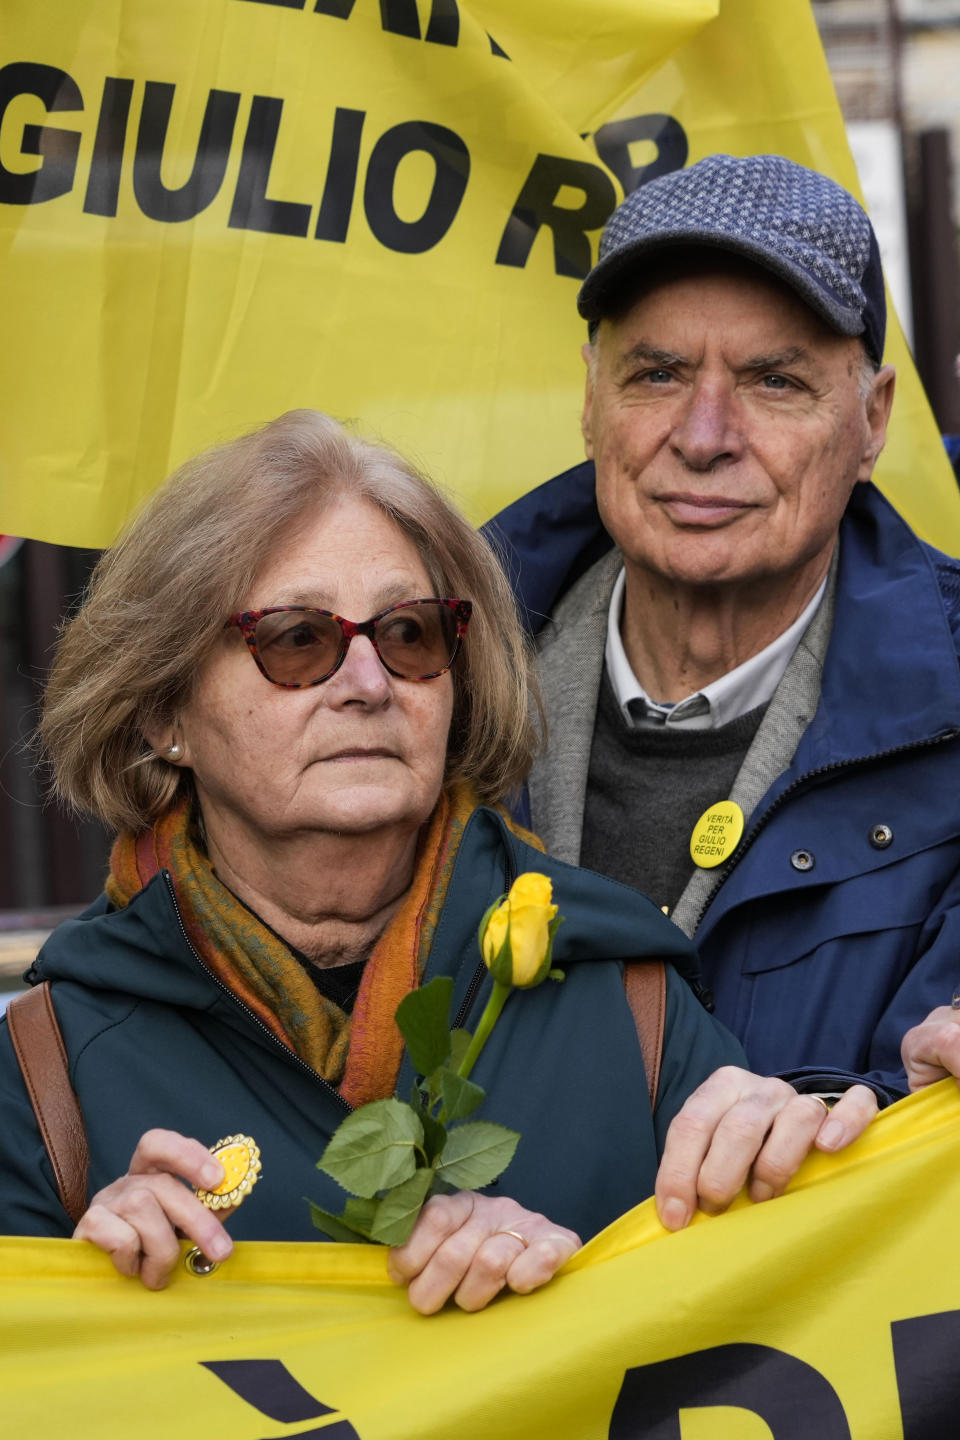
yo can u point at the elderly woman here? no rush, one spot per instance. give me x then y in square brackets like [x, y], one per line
[305, 834]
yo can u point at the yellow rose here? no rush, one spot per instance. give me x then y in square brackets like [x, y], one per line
[516, 942]
[518, 934]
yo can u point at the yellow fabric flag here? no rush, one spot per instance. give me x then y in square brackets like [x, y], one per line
[832, 1312]
[217, 210]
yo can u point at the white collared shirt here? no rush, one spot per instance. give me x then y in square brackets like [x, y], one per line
[734, 694]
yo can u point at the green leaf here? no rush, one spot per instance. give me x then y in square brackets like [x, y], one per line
[335, 1227]
[434, 1136]
[460, 1097]
[424, 1020]
[459, 1045]
[360, 1214]
[399, 1208]
[374, 1148]
[432, 1087]
[476, 1153]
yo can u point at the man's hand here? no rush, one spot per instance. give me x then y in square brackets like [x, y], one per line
[461, 1245]
[739, 1127]
[139, 1218]
[931, 1050]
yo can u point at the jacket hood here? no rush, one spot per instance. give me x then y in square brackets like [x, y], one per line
[897, 600]
[895, 593]
[142, 950]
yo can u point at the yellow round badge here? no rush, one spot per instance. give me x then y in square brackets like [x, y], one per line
[716, 834]
[240, 1157]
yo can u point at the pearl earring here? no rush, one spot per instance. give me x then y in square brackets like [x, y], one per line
[173, 752]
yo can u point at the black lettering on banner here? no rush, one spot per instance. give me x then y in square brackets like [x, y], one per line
[613, 143]
[535, 207]
[925, 1351]
[452, 160]
[106, 162]
[209, 166]
[57, 148]
[399, 17]
[336, 203]
[252, 207]
[443, 27]
[339, 1430]
[792, 1397]
[269, 1387]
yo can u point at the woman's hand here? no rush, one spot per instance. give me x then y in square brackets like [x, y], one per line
[138, 1219]
[461, 1245]
[931, 1050]
[739, 1127]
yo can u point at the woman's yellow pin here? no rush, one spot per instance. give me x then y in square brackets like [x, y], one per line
[240, 1157]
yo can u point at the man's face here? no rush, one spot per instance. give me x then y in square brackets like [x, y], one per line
[729, 427]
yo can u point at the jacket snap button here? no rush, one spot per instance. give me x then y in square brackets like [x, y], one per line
[881, 836]
[802, 860]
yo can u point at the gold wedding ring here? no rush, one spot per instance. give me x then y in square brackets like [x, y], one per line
[516, 1235]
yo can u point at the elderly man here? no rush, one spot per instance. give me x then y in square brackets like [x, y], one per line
[754, 699]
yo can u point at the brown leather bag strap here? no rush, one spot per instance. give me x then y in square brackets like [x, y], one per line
[42, 1056]
[645, 982]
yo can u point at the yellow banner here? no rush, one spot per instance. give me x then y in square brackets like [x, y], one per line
[833, 1312]
[215, 210]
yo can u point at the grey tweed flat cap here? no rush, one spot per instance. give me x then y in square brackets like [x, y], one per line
[794, 222]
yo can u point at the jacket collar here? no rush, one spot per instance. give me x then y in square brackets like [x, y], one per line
[572, 649]
[141, 951]
[549, 538]
[891, 677]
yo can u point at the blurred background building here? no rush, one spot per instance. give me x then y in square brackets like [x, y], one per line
[896, 66]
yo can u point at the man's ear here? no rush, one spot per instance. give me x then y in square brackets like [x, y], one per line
[879, 403]
[589, 359]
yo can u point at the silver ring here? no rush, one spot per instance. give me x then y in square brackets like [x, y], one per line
[955, 999]
[516, 1235]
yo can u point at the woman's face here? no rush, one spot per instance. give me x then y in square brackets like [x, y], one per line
[362, 751]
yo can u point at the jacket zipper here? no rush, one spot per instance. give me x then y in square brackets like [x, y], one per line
[245, 1008]
[805, 782]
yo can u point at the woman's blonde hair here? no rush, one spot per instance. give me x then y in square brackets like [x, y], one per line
[158, 599]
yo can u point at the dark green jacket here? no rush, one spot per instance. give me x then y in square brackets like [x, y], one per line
[155, 1040]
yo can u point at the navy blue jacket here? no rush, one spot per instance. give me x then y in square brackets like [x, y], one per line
[820, 972]
[155, 1040]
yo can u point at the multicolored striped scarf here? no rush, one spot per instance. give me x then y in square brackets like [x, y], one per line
[361, 1053]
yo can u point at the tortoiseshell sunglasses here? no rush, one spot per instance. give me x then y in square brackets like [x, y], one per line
[295, 646]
